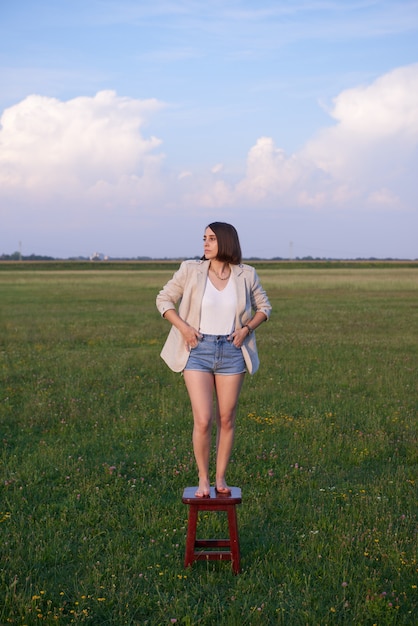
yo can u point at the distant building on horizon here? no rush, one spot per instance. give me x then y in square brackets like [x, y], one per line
[98, 256]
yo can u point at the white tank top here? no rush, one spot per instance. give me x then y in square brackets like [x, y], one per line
[218, 309]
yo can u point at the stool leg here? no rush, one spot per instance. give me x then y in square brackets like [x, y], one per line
[234, 540]
[191, 536]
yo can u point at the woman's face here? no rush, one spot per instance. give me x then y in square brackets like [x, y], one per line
[210, 244]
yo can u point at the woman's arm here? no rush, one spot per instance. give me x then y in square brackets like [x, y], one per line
[241, 334]
[191, 335]
[166, 302]
[172, 291]
[262, 307]
[259, 300]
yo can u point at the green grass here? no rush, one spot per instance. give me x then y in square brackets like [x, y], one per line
[96, 450]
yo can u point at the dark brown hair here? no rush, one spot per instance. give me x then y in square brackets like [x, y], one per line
[229, 248]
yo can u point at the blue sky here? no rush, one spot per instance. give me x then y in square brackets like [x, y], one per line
[127, 126]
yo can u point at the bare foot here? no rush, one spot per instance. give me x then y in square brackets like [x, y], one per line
[222, 488]
[203, 491]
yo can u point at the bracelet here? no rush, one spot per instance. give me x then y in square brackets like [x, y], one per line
[250, 330]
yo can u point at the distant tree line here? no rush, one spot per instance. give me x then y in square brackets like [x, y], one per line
[17, 256]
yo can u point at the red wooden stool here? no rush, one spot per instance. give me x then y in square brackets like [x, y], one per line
[230, 546]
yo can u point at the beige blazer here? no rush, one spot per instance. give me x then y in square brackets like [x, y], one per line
[187, 288]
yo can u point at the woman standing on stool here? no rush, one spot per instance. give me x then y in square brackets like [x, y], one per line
[212, 341]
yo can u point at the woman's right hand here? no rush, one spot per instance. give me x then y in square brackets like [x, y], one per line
[191, 337]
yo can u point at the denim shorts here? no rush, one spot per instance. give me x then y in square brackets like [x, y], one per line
[216, 354]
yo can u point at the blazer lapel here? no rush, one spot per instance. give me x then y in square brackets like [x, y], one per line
[241, 292]
[201, 276]
[198, 292]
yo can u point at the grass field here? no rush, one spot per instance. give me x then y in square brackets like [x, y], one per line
[96, 450]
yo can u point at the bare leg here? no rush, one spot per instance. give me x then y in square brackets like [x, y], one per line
[227, 393]
[200, 386]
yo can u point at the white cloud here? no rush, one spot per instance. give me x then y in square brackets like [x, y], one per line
[375, 126]
[383, 198]
[386, 107]
[184, 174]
[64, 166]
[269, 172]
[58, 147]
[371, 147]
[373, 143]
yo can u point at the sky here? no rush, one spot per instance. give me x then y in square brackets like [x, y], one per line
[127, 126]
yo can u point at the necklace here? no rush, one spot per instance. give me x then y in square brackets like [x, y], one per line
[217, 275]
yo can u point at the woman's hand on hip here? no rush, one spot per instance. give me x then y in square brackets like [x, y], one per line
[191, 337]
[238, 336]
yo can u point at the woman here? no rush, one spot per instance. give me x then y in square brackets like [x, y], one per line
[212, 341]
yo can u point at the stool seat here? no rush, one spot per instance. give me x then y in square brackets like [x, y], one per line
[215, 502]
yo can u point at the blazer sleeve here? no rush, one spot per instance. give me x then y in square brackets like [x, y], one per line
[173, 291]
[259, 299]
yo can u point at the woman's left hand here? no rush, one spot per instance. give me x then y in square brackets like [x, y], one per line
[238, 336]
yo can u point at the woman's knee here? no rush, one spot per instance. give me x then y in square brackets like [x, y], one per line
[227, 421]
[203, 425]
